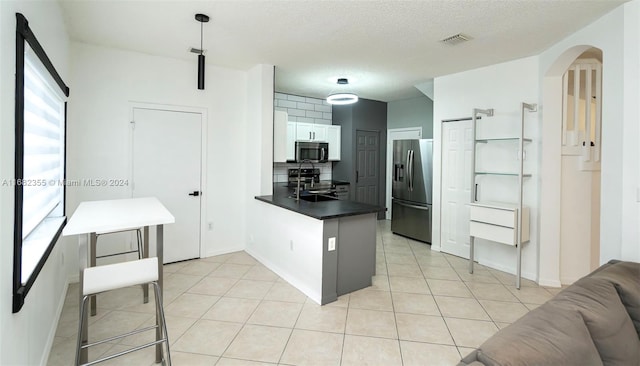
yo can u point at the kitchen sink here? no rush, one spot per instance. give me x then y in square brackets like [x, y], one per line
[317, 198]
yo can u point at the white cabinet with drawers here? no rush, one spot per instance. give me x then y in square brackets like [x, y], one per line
[497, 221]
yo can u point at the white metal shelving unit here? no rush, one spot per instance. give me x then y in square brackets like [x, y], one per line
[502, 222]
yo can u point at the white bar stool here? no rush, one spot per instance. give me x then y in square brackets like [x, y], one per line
[140, 251]
[114, 276]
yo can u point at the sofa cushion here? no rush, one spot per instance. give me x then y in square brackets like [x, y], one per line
[606, 318]
[548, 335]
[625, 276]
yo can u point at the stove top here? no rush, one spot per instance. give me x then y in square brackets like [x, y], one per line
[306, 175]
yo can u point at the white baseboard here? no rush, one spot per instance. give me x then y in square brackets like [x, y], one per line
[224, 251]
[500, 267]
[314, 295]
[54, 328]
[549, 283]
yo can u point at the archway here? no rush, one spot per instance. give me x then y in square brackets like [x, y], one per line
[570, 188]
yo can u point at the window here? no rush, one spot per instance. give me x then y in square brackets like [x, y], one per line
[39, 162]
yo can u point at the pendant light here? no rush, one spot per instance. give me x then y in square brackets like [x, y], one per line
[342, 98]
[202, 19]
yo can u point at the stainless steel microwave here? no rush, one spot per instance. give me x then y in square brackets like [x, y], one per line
[316, 152]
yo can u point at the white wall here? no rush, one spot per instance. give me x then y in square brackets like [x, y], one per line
[25, 337]
[105, 81]
[259, 157]
[618, 36]
[580, 225]
[259, 133]
[502, 87]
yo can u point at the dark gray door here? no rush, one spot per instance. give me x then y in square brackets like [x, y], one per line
[367, 167]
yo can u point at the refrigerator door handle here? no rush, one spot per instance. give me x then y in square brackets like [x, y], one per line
[423, 208]
[411, 170]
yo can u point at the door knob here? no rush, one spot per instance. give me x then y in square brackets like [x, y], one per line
[194, 193]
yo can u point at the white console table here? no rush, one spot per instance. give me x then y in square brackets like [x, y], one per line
[116, 215]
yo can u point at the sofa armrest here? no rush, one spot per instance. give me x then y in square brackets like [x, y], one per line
[471, 359]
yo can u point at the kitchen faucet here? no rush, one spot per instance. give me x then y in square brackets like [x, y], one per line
[299, 169]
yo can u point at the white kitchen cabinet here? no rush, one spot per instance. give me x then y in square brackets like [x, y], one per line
[311, 132]
[320, 132]
[286, 134]
[334, 138]
[291, 141]
[280, 137]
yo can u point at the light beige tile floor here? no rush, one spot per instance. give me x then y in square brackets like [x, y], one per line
[424, 308]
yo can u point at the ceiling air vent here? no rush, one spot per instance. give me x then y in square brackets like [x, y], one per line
[456, 39]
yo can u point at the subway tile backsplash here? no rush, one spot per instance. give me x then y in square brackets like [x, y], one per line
[280, 173]
[303, 109]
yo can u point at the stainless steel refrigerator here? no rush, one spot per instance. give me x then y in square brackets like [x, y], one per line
[411, 188]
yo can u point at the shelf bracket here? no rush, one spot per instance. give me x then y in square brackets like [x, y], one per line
[487, 112]
[532, 107]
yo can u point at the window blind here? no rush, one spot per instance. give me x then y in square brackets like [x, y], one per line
[43, 186]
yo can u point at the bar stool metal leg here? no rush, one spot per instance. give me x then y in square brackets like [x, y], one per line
[92, 263]
[161, 332]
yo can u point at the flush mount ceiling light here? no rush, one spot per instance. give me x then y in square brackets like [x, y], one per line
[202, 19]
[344, 97]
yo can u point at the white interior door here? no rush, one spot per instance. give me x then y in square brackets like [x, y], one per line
[167, 164]
[397, 134]
[457, 143]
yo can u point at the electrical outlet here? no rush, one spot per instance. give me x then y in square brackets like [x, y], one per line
[332, 244]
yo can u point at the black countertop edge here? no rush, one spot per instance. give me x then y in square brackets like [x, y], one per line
[322, 182]
[322, 210]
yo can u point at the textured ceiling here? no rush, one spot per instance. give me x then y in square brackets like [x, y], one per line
[383, 47]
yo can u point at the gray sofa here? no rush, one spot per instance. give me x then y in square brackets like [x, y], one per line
[595, 321]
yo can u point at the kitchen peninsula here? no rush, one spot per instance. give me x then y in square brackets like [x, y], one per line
[325, 249]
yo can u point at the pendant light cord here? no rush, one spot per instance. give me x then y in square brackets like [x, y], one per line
[201, 50]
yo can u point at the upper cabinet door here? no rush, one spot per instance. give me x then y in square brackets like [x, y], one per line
[319, 133]
[280, 129]
[291, 141]
[334, 140]
[304, 131]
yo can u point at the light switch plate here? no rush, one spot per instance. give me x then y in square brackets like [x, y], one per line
[332, 244]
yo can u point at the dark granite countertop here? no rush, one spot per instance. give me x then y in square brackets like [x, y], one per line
[340, 182]
[319, 210]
